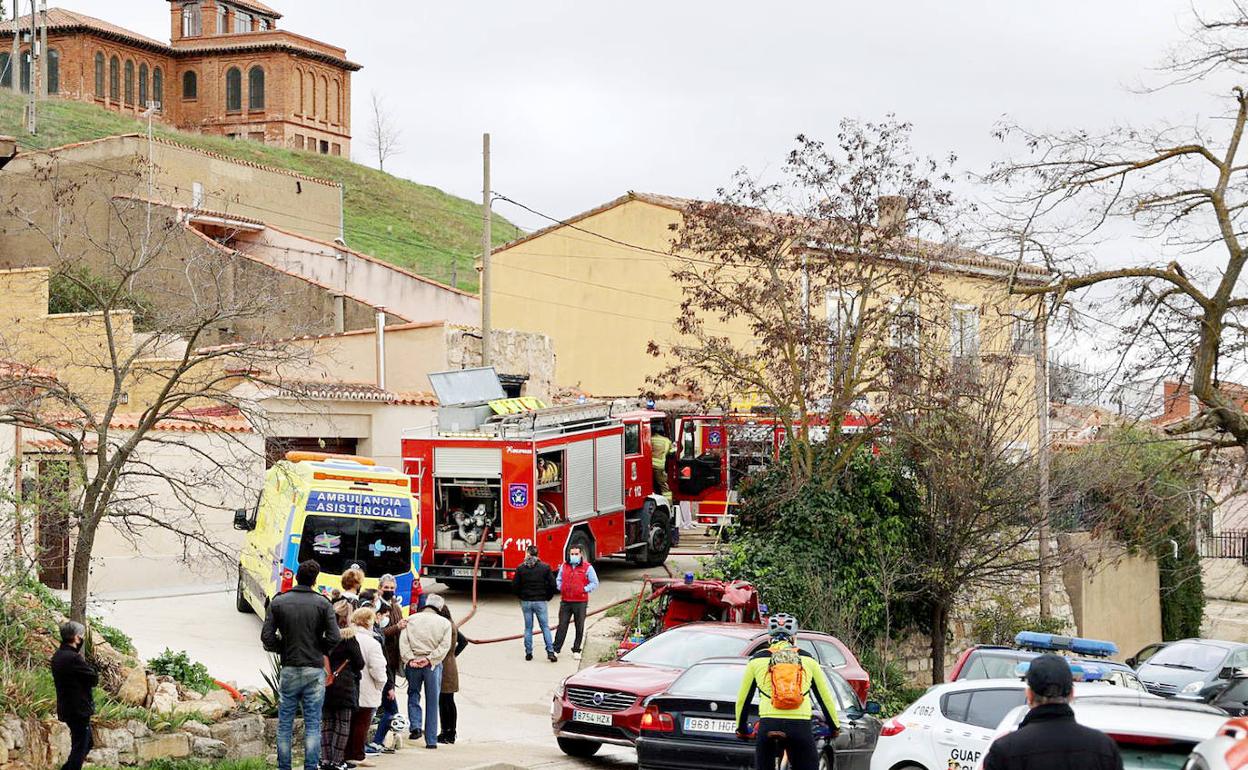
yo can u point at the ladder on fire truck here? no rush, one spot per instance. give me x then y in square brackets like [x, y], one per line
[550, 421]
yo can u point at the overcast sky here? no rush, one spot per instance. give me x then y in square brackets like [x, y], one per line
[587, 100]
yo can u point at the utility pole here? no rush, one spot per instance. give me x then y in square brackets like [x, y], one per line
[15, 66]
[1042, 447]
[43, 49]
[487, 245]
[32, 123]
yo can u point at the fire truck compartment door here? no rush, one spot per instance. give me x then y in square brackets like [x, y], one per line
[467, 463]
[579, 480]
[610, 473]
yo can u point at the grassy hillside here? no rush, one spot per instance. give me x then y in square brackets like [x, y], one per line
[416, 226]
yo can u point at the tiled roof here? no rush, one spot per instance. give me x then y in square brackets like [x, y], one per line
[194, 421]
[252, 5]
[60, 19]
[955, 257]
[52, 446]
[339, 390]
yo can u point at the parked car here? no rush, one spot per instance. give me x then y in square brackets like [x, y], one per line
[1193, 669]
[1151, 733]
[1233, 697]
[604, 703]
[1146, 652]
[995, 662]
[1227, 750]
[951, 726]
[693, 724]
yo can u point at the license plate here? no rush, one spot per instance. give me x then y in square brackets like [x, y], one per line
[699, 725]
[590, 717]
[461, 572]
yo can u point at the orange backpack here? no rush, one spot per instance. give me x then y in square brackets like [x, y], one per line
[788, 686]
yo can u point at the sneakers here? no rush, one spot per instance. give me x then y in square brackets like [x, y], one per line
[415, 735]
[372, 750]
[528, 656]
[446, 738]
[576, 656]
[553, 658]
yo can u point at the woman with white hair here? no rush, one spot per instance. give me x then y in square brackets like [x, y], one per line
[372, 681]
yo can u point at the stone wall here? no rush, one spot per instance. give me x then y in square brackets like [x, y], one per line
[1225, 579]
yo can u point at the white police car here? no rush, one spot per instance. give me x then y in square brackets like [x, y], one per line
[951, 726]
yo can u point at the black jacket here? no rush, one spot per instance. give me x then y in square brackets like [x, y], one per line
[1050, 739]
[300, 627]
[344, 693]
[75, 679]
[535, 582]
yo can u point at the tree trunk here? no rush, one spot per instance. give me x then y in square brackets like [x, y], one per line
[81, 575]
[940, 627]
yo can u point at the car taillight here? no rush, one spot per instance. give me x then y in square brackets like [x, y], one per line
[891, 727]
[288, 580]
[686, 473]
[656, 721]
[706, 519]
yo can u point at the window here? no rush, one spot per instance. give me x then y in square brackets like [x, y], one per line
[1023, 335]
[298, 141]
[324, 98]
[6, 71]
[143, 93]
[190, 85]
[830, 654]
[683, 646]
[337, 542]
[954, 706]
[964, 333]
[983, 708]
[632, 438]
[309, 106]
[264, 25]
[25, 71]
[324, 147]
[54, 71]
[255, 88]
[335, 103]
[129, 82]
[114, 79]
[983, 665]
[158, 86]
[242, 21]
[233, 90]
[192, 20]
[221, 21]
[904, 331]
[844, 317]
[336, 150]
[99, 75]
[846, 698]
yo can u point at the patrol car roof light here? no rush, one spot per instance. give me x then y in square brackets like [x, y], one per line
[1080, 672]
[1095, 648]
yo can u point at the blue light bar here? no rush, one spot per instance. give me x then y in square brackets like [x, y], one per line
[1080, 672]
[1096, 648]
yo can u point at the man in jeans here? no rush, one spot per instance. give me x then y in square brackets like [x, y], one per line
[301, 628]
[576, 581]
[535, 585]
[423, 645]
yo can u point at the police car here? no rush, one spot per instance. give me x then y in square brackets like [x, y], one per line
[995, 662]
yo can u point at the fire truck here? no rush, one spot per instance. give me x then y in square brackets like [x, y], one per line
[499, 474]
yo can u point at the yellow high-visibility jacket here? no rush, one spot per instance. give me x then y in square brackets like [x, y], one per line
[757, 678]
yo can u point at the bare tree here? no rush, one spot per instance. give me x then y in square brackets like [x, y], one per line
[385, 136]
[149, 418]
[806, 292]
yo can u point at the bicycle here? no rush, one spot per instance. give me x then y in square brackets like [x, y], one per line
[779, 745]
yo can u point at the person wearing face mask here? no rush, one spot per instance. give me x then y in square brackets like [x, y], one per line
[390, 624]
[576, 581]
[75, 681]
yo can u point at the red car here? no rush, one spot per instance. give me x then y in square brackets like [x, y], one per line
[603, 703]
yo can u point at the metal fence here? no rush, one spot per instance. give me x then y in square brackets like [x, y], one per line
[1226, 544]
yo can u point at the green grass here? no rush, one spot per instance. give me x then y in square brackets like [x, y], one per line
[253, 763]
[415, 226]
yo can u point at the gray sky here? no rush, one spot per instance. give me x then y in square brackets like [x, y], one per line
[588, 100]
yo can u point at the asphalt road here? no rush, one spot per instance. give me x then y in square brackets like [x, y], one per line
[504, 701]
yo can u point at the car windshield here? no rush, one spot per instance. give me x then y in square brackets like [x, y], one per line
[682, 647]
[994, 665]
[709, 680]
[1154, 758]
[378, 546]
[1195, 657]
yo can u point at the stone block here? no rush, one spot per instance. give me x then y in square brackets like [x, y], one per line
[169, 746]
[248, 750]
[102, 757]
[165, 700]
[197, 729]
[139, 729]
[133, 691]
[241, 730]
[118, 739]
[59, 742]
[15, 732]
[270, 731]
[209, 711]
[209, 748]
[222, 697]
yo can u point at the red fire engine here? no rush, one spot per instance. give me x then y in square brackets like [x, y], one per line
[497, 475]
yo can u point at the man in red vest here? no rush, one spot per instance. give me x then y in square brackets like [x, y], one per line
[576, 581]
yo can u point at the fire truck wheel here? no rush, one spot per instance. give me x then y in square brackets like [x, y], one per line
[240, 599]
[659, 537]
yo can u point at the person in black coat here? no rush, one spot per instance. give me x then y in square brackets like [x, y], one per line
[346, 661]
[75, 680]
[534, 583]
[1049, 738]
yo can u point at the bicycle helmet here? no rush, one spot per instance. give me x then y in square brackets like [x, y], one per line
[782, 624]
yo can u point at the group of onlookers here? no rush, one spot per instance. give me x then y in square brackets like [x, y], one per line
[536, 584]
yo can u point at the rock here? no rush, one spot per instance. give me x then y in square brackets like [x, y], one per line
[222, 697]
[58, 742]
[209, 711]
[15, 732]
[238, 731]
[197, 729]
[166, 698]
[102, 757]
[188, 694]
[139, 729]
[209, 748]
[270, 731]
[4, 754]
[247, 750]
[152, 684]
[119, 739]
[133, 690]
[170, 746]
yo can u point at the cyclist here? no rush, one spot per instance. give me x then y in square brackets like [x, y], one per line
[787, 678]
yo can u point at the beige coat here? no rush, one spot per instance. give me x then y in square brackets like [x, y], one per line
[428, 635]
[373, 677]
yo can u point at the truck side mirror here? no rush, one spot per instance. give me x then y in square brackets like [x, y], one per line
[243, 521]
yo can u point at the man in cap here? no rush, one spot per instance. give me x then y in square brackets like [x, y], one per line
[1049, 738]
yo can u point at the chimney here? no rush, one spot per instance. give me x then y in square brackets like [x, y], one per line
[381, 348]
[891, 214]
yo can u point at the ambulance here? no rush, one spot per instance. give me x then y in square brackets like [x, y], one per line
[343, 511]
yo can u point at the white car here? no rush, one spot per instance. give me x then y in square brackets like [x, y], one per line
[1152, 733]
[951, 726]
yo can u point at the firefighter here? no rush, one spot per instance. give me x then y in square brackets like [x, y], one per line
[660, 447]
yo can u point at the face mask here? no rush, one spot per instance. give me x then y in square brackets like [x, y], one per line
[574, 560]
[387, 596]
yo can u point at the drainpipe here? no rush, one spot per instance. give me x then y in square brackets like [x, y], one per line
[340, 314]
[381, 348]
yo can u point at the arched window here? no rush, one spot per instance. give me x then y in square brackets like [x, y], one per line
[6, 70]
[233, 90]
[143, 85]
[114, 79]
[255, 88]
[303, 94]
[192, 20]
[99, 75]
[129, 82]
[158, 87]
[221, 28]
[190, 85]
[54, 71]
[324, 98]
[311, 109]
[335, 102]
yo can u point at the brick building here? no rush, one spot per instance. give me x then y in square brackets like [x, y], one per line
[228, 70]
